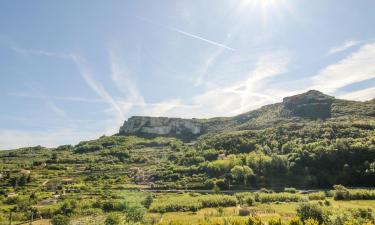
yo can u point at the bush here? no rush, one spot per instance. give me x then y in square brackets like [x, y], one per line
[275, 221]
[311, 221]
[254, 221]
[310, 211]
[113, 219]
[317, 196]
[341, 192]
[212, 201]
[110, 206]
[135, 214]
[147, 201]
[279, 197]
[245, 198]
[60, 220]
[294, 221]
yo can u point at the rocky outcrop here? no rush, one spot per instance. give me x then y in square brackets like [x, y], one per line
[162, 126]
[312, 104]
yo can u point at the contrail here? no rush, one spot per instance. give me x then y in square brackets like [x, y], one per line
[187, 34]
[200, 38]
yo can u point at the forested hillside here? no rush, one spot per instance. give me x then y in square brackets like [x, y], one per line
[309, 140]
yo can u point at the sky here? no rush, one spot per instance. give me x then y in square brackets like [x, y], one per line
[75, 70]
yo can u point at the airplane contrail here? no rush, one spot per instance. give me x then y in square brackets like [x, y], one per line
[200, 38]
[188, 34]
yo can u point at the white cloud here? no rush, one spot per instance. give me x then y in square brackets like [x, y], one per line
[360, 95]
[244, 95]
[10, 139]
[122, 79]
[345, 46]
[357, 67]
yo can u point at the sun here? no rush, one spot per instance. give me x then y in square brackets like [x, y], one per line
[260, 3]
[266, 8]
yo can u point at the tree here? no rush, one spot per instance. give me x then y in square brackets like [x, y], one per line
[247, 172]
[241, 173]
[60, 220]
[237, 172]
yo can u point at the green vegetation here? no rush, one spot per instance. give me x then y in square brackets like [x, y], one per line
[278, 150]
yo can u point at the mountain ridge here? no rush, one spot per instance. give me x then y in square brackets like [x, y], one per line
[308, 106]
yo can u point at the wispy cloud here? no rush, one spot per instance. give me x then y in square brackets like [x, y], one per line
[345, 46]
[121, 77]
[62, 98]
[360, 95]
[249, 93]
[188, 34]
[88, 77]
[357, 67]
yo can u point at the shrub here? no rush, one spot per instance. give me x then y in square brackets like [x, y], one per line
[341, 192]
[110, 206]
[310, 211]
[245, 198]
[254, 221]
[279, 197]
[317, 195]
[311, 221]
[275, 221]
[68, 207]
[113, 219]
[135, 214]
[211, 201]
[60, 220]
[147, 201]
[294, 221]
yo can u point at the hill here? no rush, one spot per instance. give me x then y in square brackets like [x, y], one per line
[308, 140]
[306, 107]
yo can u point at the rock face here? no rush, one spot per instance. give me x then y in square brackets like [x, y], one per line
[161, 126]
[312, 104]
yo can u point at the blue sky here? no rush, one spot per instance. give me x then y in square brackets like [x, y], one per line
[74, 70]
